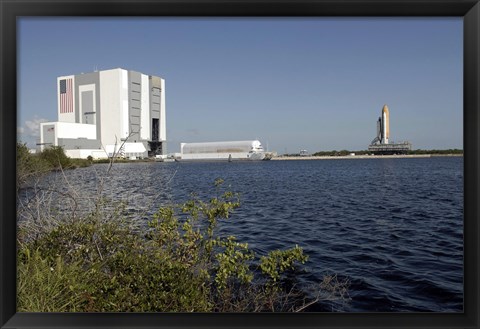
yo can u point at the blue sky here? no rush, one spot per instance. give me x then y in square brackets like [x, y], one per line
[294, 83]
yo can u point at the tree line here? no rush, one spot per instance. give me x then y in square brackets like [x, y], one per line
[366, 152]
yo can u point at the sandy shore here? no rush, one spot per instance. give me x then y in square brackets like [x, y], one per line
[364, 157]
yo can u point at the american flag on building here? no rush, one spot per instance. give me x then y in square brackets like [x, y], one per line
[66, 96]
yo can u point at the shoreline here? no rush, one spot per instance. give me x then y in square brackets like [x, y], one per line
[290, 158]
[398, 156]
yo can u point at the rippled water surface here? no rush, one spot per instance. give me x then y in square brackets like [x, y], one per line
[393, 227]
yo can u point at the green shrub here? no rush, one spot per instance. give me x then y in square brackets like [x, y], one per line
[32, 166]
[278, 261]
[46, 285]
[79, 163]
[29, 166]
[56, 157]
[104, 263]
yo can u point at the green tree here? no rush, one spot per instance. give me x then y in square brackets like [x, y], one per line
[29, 166]
[56, 157]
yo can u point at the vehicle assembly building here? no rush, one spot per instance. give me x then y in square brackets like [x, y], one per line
[99, 111]
[381, 143]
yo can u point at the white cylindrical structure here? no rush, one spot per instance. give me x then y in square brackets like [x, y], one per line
[232, 150]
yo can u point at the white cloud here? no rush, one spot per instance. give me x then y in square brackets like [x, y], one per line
[31, 128]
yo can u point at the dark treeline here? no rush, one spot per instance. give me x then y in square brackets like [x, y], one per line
[366, 152]
[449, 151]
[30, 165]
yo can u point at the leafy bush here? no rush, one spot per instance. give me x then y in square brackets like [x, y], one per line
[48, 286]
[79, 163]
[32, 166]
[56, 157]
[29, 166]
[104, 263]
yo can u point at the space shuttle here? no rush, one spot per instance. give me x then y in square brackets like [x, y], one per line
[382, 144]
[383, 126]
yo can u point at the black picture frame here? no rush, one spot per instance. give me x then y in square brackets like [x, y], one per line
[10, 10]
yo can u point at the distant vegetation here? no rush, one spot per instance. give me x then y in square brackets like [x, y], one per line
[54, 158]
[365, 152]
[31, 166]
[449, 151]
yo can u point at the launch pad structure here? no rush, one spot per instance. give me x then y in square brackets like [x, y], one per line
[381, 144]
[390, 149]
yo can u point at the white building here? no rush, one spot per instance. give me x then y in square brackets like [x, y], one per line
[223, 151]
[99, 111]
